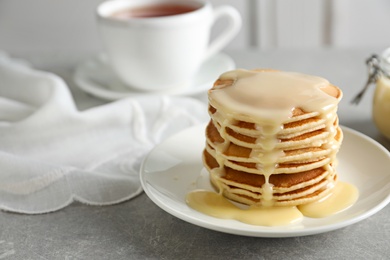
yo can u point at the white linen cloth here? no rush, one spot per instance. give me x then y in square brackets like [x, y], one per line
[52, 154]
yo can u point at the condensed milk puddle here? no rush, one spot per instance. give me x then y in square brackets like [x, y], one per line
[342, 197]
[216, 205]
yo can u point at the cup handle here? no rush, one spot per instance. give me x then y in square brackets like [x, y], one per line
[232, 28]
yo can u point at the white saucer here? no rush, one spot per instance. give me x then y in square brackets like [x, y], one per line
[97, 78]
[174, 168]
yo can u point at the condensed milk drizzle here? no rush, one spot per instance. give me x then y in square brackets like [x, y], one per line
[267, 99]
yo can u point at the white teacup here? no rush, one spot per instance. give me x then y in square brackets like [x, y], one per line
[150, 50]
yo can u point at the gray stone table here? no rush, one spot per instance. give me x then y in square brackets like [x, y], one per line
[138, 229]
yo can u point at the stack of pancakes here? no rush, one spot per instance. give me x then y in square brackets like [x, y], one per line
[257, 161]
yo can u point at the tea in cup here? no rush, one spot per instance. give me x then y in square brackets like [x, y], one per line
[156, 45]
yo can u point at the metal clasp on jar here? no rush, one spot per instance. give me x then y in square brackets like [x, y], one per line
[374, 71]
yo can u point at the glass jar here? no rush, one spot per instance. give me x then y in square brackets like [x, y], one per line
[381, 102]
[379, 74]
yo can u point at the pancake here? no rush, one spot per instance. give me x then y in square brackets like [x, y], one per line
[273, 137]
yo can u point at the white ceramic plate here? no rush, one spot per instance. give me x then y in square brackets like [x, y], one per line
[174, 168]
[97, 78]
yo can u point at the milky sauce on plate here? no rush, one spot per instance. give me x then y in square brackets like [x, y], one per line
[268, 99]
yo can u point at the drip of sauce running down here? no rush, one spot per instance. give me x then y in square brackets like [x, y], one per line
[256, 97]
